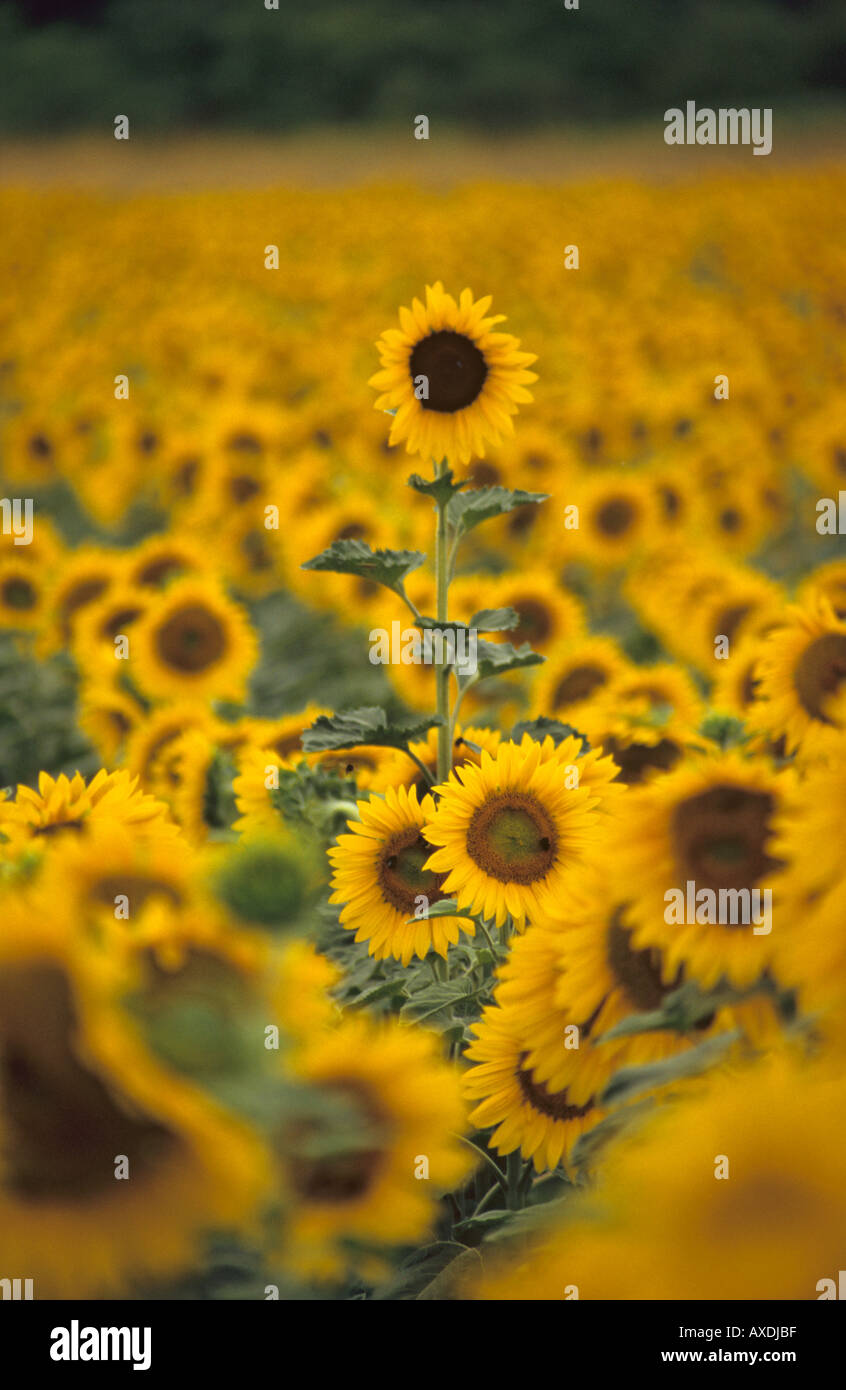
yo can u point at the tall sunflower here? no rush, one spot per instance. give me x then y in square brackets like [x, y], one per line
[453, 382]
[380, 874]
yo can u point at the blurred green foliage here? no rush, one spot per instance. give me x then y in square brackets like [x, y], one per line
[483, 63]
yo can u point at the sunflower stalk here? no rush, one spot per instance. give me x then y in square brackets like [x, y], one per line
[442, 671]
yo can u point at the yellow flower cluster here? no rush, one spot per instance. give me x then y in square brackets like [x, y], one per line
[192, 425]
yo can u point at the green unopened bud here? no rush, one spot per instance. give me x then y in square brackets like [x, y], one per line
[263, 883]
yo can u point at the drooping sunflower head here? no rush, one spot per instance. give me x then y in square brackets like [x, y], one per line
[453, 381]
[382, 876]
[529, 1115]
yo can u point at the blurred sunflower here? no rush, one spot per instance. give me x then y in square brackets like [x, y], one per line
[616, 516]
[159, 559]
[574, 674]
[802, 680]
[22, 596]
[79, 1094]
[110, 876]
[661, 1227]
[100, 624]
[108, 716]
[85, 575]
[150, 744]
[405, 1104]
[380, 873]
[64, 804]
[452, 381]
[548, 614]
[193, 641]
[708, 823]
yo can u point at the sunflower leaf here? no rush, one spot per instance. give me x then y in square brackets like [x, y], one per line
[440, 489]
[446, 1286]
[445, 908]
[387, 567]
[495, 620]
[495, 658]
[367, 727]
[419, 1269]
[680, 1011]
[631, 1081]
[469, 509]
[590, 1144]
[542, 728]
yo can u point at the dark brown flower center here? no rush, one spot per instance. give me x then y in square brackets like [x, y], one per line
[287, 744]
[58, 826]
[638, 973]
[40, 446]
[486, 475]
[243, 487]
[636, 759]
[577, 685]
[155, 571]
[512, 838]
[62, 1127]
[191, 639]
[19, 594]
[79, 597]
[728, 621]
[402, 878]
[670, 502]
[615, 517]
[552, 1103]
[820, 672]
[115, 622]
[454, 368]
[338, 1178]
[135, 887]
[535, 623]
[720, 837]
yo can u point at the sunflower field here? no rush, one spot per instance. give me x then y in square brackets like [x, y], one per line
[422, 741]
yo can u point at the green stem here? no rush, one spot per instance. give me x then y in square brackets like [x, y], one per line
[442, 672]
[423, 768]
[514, 1172]
[457, 706]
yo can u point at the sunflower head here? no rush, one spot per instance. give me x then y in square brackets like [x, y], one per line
[452, 382]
